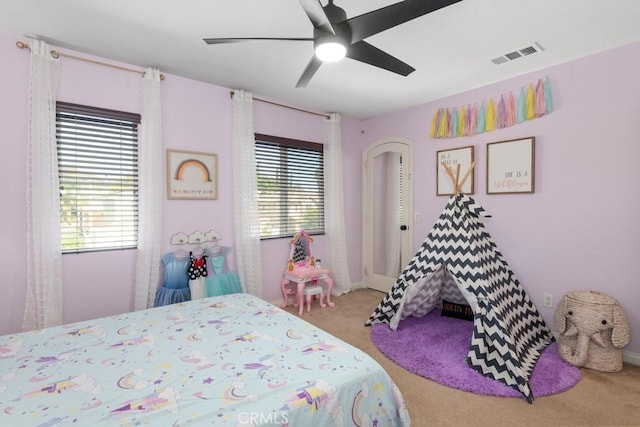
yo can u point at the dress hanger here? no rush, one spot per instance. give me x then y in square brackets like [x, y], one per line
[200, 240]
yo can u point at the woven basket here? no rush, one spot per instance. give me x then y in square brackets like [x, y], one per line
[608, 330]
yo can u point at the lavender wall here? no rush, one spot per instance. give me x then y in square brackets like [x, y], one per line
[576, 232]
[580, 228]
[196, 117]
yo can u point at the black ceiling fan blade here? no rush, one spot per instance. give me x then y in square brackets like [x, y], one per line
[364, 52]
[250, 39]
[316, 15]
[376, 21]
[309, 71]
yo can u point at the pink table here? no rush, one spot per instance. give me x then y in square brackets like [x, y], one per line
[294, 282]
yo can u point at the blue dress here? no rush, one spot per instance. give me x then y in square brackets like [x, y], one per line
[175, 282]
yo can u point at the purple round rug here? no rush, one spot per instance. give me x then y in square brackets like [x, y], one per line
[435, 347]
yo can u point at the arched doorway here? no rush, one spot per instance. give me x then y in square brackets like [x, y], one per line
[387, 211]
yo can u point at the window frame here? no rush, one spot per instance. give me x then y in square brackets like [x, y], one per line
[294, 144]
[122, 148]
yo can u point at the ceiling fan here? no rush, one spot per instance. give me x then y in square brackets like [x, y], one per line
[335, 36]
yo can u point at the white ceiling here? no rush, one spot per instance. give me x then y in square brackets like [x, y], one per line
[451, 48]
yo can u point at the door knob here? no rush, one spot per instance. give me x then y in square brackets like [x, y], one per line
[403, 227]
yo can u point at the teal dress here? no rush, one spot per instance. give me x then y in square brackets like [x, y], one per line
[221, 282]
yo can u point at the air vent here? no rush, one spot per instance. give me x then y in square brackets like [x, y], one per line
[513, 55]
[525, 51]
[528, 50]
[499, 60]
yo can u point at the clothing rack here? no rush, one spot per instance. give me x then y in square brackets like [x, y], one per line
[195, 269]
[200, 243]
[195, 238]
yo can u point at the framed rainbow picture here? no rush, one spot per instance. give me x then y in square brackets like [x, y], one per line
[192, 175]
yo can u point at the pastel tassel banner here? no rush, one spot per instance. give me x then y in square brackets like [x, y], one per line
[473, 114]
[548, 100]
[531, 113]
[482, 118]
[530, 103]
[521, 112]
[502, 115]
[539, 104]
[491, 117]
[511, 111]
[462, 122]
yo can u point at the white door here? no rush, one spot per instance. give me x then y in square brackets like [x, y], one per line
[387, 211]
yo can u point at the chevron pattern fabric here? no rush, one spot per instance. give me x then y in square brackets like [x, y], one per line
[458, 261]
[299, 252]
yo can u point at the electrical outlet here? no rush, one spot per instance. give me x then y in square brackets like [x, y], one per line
[548, 300]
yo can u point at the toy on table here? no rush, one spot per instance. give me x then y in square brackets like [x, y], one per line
[303, 274]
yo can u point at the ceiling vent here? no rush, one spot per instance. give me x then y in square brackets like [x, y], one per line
[525, 51]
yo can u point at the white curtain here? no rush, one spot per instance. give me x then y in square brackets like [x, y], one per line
[245, 195]
[393, 223]
[335, 239]
[44, 251]
[150, 187]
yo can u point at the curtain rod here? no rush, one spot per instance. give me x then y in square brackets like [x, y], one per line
[326, 116]
[56, 54]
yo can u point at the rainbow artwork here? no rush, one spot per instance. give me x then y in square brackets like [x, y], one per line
[193, 165]
[192, 175]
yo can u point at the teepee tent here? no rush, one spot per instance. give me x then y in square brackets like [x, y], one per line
[459, 262]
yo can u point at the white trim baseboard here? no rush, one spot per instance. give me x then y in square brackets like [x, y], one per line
[357, 285]
[631, 357]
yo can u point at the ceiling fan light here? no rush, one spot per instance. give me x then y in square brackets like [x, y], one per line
[330, 51]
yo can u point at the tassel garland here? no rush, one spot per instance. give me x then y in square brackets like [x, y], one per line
[502, 116]
[521, 113]
[548, 101]
[531, 113]
[510, 113]
[482, 118]
[531, 102]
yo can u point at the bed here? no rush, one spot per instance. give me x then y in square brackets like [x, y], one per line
[231, 360]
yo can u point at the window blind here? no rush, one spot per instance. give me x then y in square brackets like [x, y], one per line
[98, 172]
[290, 186]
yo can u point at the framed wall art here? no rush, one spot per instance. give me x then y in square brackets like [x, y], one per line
[192, 175]
[462, 156]
[511, 166]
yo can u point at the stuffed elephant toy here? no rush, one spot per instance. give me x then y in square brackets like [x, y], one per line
[593, 329]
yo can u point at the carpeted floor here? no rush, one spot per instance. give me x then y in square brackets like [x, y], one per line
[435, 347]
[598, 399]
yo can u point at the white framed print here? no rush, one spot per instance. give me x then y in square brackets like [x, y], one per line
[511, 166]
[453, 158]
[192, 175]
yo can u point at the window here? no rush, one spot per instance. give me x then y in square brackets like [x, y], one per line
[290, 186]
[98, 172]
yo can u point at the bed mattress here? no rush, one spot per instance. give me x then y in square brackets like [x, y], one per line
[229, 360]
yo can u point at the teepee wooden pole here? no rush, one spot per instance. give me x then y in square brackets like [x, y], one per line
[450, 175]
[457, 183]
[466, 175]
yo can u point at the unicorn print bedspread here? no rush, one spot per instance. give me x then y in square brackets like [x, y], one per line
[233, 360]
